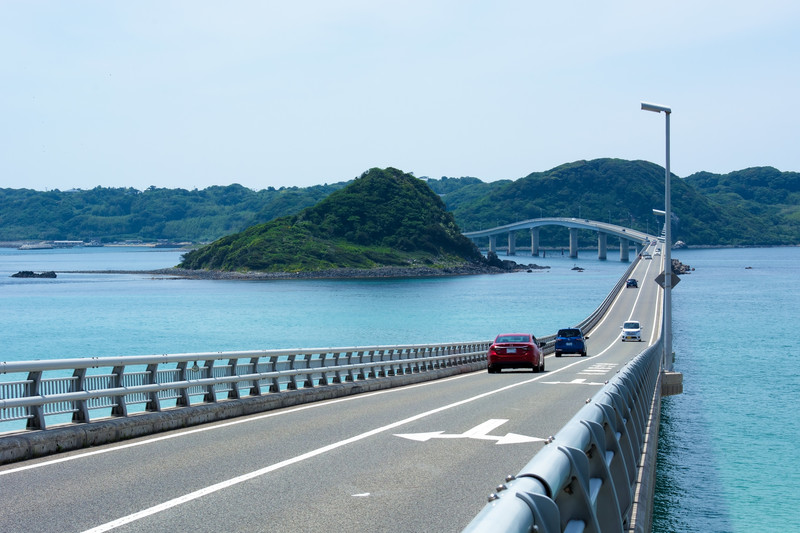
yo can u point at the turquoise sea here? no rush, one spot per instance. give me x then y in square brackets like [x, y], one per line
[725, 450]
[81, 315]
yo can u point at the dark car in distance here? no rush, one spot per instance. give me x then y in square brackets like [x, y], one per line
[632, 284]
[570, 340]
[515, 350]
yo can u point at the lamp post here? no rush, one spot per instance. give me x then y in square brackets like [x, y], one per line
[667, 356]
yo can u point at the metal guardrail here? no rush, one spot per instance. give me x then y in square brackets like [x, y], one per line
[118, 386]
[584, 478]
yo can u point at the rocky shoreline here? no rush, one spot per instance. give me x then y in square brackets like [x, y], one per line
[336, 273]
[345, 273]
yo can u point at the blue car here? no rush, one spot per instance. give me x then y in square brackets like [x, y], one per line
[570, 340]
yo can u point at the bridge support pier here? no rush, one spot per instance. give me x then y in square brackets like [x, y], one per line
[535, 242]
[602, 246]
[573, 242]
[512, 243]
[493, 243]
[624, 245]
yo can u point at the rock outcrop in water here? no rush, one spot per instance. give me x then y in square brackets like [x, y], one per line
[679, 268]
[30, 274]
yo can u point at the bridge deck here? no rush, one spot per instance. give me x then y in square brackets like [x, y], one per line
[416, 458]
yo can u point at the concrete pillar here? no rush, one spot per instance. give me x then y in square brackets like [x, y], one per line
[512, 243]
[535, 242]
[573, 242]
[623, 250]
[493, 243]
[602, 245]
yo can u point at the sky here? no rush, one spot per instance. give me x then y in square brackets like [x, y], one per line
[190, 94]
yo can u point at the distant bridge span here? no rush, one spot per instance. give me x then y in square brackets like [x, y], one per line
[603, 229]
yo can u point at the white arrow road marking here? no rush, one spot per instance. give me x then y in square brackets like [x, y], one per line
[479, 432]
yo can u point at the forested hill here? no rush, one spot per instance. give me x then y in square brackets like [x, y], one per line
[117, 214]
[756, 206]
[383, 218]
[764, 192]
[708, 209]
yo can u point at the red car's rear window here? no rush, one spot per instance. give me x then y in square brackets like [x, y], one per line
[506, 339]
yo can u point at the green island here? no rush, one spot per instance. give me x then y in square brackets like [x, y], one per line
[385, 218]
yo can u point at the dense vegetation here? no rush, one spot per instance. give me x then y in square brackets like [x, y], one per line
[764, 192]
[383, 218]
[756, 206]
[117, 214]
[625, 193]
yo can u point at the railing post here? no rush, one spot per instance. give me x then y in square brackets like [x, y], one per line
[292, 385]
[273, 367]
[234, 392]
[153, 403]
[120, 407]
[185, 398]
[81, 412]
[255, 388]
[207, 371]
[574, 500]
[37, 421]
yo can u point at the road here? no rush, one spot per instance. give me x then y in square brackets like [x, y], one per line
[416, 458]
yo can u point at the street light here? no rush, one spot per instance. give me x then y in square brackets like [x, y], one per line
[667, 356]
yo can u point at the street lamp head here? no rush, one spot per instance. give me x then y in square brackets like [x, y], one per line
[656, 108]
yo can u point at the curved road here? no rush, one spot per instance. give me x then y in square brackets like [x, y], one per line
[416, 458]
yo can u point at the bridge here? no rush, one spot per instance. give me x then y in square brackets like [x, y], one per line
[406, 438]
[626, 235]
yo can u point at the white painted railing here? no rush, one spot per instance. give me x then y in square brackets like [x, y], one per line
[102, 387]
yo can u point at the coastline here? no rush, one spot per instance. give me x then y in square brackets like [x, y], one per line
[340, 273]
[336, 273]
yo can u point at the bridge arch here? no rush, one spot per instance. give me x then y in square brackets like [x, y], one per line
[603, 229]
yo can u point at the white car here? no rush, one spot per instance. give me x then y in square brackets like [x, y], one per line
[631, 331]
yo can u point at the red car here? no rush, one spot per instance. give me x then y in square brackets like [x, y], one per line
[515, 350]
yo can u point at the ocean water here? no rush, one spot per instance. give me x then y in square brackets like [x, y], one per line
[725, 451]
[727, 448]
[84, 315]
